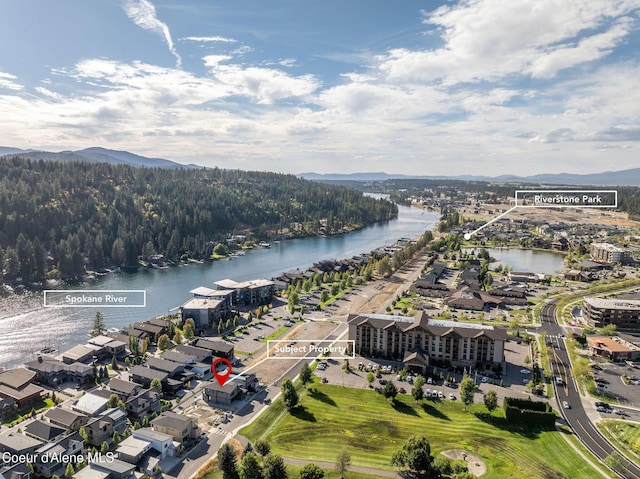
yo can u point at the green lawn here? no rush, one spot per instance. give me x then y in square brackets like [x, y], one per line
[625, 435]
[294, 471]
[275, 334]
[372, 429]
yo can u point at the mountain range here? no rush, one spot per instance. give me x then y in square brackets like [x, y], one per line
[629, 177]
[94, 155]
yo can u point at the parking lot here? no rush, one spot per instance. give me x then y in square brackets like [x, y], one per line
[611, 383]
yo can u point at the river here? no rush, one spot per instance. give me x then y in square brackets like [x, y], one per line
[24, 332]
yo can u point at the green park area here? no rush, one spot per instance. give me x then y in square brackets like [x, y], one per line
[329, 418]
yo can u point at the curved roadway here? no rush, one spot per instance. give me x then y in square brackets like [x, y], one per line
[576, 416]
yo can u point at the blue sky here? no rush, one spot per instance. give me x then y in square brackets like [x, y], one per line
[418, 87]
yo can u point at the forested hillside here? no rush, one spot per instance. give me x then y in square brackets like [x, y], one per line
[58, 219]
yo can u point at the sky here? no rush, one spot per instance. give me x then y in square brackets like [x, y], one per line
[485, 87]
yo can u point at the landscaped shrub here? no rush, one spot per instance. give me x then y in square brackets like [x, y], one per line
[531, 413]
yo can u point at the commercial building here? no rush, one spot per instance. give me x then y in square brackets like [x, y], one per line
[623, 313]
[419, 341]
[614, 349]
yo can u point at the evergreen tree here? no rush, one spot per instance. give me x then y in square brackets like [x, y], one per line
[305, 374]
[274, 467]
[98, 325]
[289, 394]
[227, 462]
[467, 391]
[250, 467]
[311, 471]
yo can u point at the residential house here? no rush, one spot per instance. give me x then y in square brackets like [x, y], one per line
[145, 402]
[91, 404]
[17, 385]
[144, 376]
[160, 442]
[132, 449]
[182, 428]
[124, 389]
[225, 394]
[7, 408]
[220, 349]
[82, 353]
[66, 418]
[49, 456]
[112, 347]
[152, 330]
[54, 373]
[43, 431]
[199, 354]
[16, 443]
[101, 429]
[115, 468]
[18, 471]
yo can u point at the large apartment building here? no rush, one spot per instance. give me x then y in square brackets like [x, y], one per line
[624, 313]
[609, 253]
[419, 341]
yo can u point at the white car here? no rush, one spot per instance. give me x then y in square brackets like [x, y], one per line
[452, 396]
[565, 405]
[440, 395]
[485, 379]
[428, 393]
[525, 371]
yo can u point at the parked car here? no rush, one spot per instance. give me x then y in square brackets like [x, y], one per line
[402, 390]
[440, 395]
[452, 396]
[325, 380]
[428, 393]
[525, 371]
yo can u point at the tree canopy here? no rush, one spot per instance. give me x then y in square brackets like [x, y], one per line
[59, 218]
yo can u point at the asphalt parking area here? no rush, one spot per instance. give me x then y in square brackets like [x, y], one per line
[626, 394]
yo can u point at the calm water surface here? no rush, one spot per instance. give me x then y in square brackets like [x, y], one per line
[22, 334]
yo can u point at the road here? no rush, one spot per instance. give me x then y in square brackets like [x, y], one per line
[576, 416]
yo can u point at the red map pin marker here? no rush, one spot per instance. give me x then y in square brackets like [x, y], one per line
[221, 377]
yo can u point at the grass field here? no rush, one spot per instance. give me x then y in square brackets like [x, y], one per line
[294, 471]
[623, 434]
[330, 417]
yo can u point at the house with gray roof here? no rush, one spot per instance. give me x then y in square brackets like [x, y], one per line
[182, 428]
[66, 418]
[43, 431]
[17, 385]
[91, 404]
[124, 389]
[16, 443]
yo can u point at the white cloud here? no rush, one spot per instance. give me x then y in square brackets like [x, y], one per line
[491, 39]
[7, 81]
[266, 85]
[213, 39]
[143, 14]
